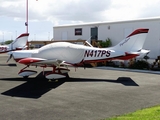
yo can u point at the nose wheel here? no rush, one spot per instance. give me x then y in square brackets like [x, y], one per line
[26, 73]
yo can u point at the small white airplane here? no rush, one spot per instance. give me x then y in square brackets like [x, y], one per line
[60, 55]
[18, 44]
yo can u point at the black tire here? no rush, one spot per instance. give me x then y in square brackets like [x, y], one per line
[25, 76]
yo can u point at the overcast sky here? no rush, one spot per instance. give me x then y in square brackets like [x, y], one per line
[44, 14]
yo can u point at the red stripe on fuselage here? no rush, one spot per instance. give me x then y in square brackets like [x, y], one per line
[27, 61]
[126, 57]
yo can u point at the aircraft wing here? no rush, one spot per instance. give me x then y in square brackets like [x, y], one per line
[41, 62]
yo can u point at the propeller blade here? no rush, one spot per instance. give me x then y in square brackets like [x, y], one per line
[9, 57]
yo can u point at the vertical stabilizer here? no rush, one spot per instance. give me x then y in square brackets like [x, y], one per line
[20, 42]
[134, 42]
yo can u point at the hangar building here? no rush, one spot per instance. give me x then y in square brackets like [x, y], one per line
[116, 31]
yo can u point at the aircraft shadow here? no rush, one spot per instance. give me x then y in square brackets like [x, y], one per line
[32, 88]
[10, 64]
[38, 86]
[127, 81]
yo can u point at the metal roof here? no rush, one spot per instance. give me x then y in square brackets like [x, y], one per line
[109, 22]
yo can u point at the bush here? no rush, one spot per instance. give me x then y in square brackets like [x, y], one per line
[106, 43]
[140, 64]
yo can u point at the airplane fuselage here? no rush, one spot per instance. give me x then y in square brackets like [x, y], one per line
[70, 53]
[4, 49]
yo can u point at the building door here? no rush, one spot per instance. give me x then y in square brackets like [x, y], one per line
[94, 36]
[94, 33]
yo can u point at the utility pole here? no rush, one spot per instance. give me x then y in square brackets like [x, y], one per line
[26, 23]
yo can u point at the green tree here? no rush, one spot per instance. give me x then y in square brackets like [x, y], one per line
[8, 42]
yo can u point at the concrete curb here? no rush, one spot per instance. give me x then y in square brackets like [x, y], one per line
[129, 70]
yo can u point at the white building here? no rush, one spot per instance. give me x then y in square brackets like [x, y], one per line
[116, 31]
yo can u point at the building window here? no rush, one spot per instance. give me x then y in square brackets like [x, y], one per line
[78, 31]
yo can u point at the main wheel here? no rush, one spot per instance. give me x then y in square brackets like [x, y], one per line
[25, 76]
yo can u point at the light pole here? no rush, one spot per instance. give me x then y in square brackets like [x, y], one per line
[26, 24]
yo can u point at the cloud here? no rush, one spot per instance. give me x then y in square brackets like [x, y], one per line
[79, 10]
[12, 9]
[132, 9]
[44, 14]
[82, 10]
[151, 9]
[70, 10]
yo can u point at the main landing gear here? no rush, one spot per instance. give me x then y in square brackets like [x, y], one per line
[56, 73]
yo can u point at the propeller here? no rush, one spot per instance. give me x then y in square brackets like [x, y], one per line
[9, 57]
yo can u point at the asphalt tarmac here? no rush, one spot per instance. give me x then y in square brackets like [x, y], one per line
[90, 94]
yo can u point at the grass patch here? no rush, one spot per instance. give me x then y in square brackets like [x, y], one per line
[152, 113]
